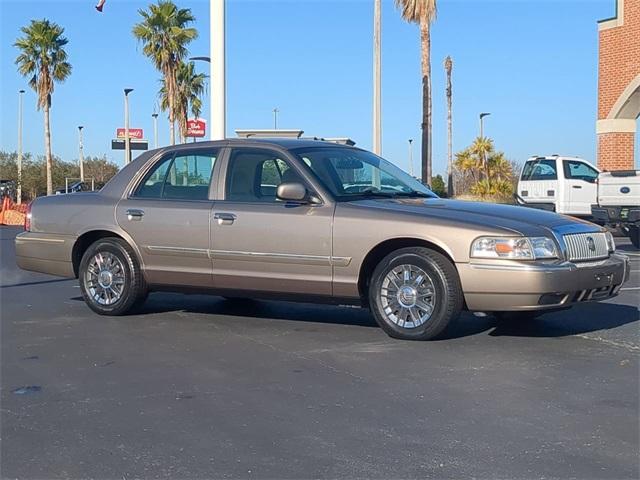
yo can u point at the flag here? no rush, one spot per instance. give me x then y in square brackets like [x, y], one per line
[100, 5]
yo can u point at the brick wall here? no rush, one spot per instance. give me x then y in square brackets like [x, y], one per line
[618, 64]
[615, 151]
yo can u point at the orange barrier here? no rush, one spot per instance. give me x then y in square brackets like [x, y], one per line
[12, 214]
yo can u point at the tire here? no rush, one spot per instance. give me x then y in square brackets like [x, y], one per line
[390, 294]
[634, 235]
[124, 279]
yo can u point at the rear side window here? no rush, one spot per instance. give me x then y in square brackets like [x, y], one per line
[183, 177]
[579, 171]
[539, 170]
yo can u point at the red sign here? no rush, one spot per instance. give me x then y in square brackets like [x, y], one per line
[196, 128]
[133, 133]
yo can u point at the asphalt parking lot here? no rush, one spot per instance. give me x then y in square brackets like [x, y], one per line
[198, 386]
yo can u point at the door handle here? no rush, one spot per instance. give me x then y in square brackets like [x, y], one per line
[134, 214]
[224, 218]
[576, 186]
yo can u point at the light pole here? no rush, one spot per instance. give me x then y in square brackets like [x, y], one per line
[19, 192]
[275, 118]
[127, 140]
[482, 115]
[155, 129]
[81, 153]
[377, 119]
[411, 157]
[217, 70]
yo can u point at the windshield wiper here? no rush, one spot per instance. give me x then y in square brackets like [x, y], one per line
[375, 193]
[413, 193]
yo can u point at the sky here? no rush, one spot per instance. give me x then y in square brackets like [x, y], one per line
[531, 63]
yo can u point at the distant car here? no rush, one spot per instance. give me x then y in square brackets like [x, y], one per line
[317, 222]
[8, 189]
[73, 188]
[559, 184]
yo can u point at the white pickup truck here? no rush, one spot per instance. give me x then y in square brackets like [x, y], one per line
[618, 202]
[559, 184]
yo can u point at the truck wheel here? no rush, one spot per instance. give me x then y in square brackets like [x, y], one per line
[415, 293]
[110, 278]
[634, 235]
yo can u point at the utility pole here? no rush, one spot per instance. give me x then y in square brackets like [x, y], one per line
[377, 119]
[19, 192]
[448, 66]
[217, 70]
[482, 115]
[155, 129]
[411, 157]
[127, 140]
[275, 118]
[81, 153]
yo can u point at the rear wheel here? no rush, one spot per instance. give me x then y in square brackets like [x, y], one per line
[415, 293]
[110, 278]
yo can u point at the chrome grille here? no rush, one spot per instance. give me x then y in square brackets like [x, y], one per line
[586, 246]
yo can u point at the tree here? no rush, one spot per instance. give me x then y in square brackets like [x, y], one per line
[165, 34]
[190, 87]
[448, 66]
[43, 58]
[439, 187]
[490, 171]
[423, 12]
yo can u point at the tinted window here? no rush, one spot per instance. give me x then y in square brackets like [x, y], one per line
[186, 177]
[254, 175]
[579, 171]
[539, 170]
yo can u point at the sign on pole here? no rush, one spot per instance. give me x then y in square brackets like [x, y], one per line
[133, 133]
[196, 128]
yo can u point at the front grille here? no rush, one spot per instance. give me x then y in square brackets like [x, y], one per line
[586, 246]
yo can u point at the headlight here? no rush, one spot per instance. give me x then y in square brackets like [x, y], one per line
[610, 242]
[517, 248]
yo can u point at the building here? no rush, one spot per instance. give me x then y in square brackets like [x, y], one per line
[619, 86]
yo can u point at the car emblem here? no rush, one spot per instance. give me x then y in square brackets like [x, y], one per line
[591, 244]
[625, 190]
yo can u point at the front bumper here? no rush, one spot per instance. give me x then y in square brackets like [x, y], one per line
[515, 286]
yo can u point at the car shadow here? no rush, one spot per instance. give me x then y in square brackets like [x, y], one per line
[574, 321]
[578, 320]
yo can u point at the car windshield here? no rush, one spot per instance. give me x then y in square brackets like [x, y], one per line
[350, 173]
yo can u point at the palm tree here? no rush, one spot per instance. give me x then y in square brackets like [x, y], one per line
[165, 35]
[189, 88]
[43, 58]
[448, 66]
[482, 148]
[423, 12]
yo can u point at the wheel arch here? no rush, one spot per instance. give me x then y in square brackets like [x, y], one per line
[88, 237]
[382, 249]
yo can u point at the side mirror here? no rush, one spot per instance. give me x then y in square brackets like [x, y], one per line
[291, 191]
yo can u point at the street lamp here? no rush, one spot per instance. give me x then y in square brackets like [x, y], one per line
[81, 153]
[482, 115]
[127, 141]
[411, 157]
[19, 192]
[155, 129]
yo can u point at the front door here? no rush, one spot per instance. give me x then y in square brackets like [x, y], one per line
[581, 186]
[168, 217]
[261, 243]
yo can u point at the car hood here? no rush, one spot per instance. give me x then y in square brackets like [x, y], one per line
[523, 220]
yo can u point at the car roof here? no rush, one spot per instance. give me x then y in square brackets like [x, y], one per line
[286, 143]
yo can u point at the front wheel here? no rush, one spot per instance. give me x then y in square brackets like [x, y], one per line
[110, 278]
[415, 293]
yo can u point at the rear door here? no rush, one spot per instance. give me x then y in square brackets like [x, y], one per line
[168, 216]
[539, 181]
[581, 186]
